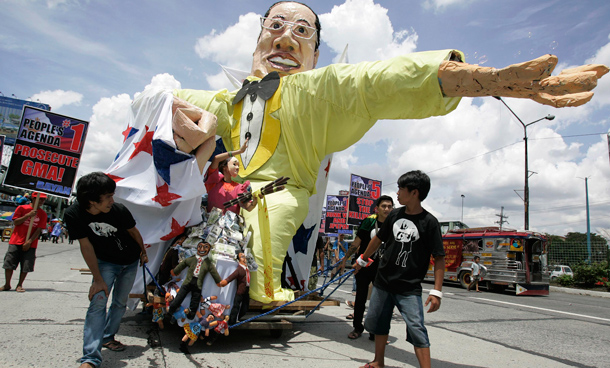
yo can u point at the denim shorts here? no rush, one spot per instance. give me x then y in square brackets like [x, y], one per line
[379, 315]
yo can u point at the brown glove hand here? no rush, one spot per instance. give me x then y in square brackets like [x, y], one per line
[531, 79]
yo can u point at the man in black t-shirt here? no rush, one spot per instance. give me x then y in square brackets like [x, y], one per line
[368, 228]
[411, 235]
[111, 246]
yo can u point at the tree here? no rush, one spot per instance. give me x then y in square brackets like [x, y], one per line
[580, 238]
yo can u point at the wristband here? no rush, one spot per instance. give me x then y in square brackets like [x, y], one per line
[362, 262]
[436, 293]
[230, 154]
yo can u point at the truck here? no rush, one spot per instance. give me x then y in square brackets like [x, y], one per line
[514, 259]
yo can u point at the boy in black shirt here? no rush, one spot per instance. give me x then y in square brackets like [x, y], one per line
[368, 228]
[111, 246]
[411, 235]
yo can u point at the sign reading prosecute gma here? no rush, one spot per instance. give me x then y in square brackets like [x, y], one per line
[47, 152]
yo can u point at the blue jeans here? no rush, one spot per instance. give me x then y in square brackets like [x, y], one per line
[100, 327]
[379, 315]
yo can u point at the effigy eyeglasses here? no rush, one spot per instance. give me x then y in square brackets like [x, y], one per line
[299, 30]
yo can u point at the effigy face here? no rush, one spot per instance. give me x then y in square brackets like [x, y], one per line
[278, 49]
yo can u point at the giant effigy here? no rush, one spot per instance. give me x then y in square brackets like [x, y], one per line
[294, 116]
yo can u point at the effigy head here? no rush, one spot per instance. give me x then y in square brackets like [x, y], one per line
[289, 40]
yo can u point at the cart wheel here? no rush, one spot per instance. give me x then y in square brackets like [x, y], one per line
[276, 333]
[464, 279]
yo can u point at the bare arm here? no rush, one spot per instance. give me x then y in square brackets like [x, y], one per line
[370, 249]
[351, 250]
[86, 248]
[321, 258]
[531, 79]
[439, 274]
[135, 234]
[22, 219]
[225, 155]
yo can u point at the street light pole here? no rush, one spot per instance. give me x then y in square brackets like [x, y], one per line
[463, 208]
[588, 221]
[526, 188]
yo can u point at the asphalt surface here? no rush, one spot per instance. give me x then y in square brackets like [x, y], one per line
[42, 327]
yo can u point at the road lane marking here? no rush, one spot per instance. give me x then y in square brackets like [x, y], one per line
[544, 309]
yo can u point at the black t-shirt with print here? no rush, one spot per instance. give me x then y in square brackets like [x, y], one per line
[106, 231]
[410, 240]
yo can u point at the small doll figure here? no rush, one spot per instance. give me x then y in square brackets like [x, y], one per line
[157, 313]
[180, 317]
[207, 323]
[223, 327]
[191, 332]
[218, 309]
[198, 266]
[172, 290]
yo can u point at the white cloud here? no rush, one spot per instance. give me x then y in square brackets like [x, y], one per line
[439, 5]
[104, 139]
[234, 46]
[54, 3]
[58, 98]
[369, 38]
[602, 91]
[164, 80]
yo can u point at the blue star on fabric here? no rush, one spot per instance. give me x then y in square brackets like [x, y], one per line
[301, 239]
[164, 156]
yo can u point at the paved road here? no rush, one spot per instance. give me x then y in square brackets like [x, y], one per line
[43, 328]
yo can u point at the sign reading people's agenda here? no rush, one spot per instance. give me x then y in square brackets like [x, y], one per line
[336, 215]
[47, 152]
[363, 194]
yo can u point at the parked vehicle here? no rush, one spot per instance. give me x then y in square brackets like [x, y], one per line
[561, 270]
[515, 259]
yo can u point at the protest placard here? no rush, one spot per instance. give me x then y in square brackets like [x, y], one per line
[362, 196]
[47, 152]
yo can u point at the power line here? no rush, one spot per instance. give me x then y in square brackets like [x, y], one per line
[501, 148]
[567, 136]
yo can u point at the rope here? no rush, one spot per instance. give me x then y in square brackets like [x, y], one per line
[153, 278]
[345, 276]
[144, 279]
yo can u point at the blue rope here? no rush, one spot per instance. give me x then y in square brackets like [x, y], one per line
[328, 269]
[153, 278]
[345, 276]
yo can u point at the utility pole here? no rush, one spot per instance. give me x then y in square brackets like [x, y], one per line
[502, 217]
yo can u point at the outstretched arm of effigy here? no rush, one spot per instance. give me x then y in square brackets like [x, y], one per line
[531, 79]
[192, 126]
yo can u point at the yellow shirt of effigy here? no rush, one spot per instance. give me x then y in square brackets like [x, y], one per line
[329, 109]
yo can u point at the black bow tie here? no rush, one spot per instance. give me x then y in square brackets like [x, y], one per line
[265, 88]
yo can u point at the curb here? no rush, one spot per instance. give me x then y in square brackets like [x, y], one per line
[600, 294]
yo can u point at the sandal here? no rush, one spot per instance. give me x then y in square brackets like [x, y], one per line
[5, 288]
[354, 334]
[350, 316]
[349, 303]
[20, 289]
[114, 345]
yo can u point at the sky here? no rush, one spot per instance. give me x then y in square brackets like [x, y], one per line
[87, 59]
